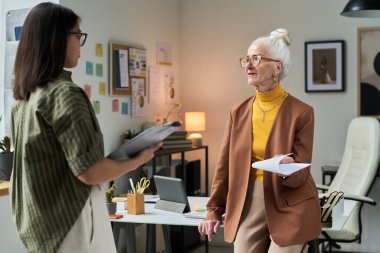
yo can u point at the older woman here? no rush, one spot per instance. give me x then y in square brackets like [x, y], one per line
[264, 211]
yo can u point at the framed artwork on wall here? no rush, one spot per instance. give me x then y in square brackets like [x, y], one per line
[368, 71]
[324, 66]
[125, 63]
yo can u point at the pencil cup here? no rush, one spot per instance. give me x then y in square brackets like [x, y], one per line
[135, 203]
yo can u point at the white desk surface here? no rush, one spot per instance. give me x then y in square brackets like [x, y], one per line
[157, 216]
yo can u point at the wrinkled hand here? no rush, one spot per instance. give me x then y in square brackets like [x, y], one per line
[209, 228]
[147, 154]
[287, 159]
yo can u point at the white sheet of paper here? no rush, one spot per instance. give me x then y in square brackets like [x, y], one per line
[273, 165]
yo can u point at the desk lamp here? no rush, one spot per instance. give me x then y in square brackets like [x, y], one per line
[194, 122]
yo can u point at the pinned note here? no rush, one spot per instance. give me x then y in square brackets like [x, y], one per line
[99, 50]
[115, 105]
[96, 106]
[89, 68]
[99, 69]
[87, 89]
[102, 88]
[124, 108]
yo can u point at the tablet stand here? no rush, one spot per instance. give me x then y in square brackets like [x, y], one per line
[170, 206]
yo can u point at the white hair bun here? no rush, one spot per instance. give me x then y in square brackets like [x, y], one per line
[281, 34]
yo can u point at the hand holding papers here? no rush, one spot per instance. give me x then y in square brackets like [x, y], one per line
[144, 140]
[273, 165]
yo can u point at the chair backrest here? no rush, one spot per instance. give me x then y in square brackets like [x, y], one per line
[360, 160]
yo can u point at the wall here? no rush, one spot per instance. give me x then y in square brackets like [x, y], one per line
[135, 22]
[216, 33]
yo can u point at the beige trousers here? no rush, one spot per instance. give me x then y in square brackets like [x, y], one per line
[92, 232]
[253, 234]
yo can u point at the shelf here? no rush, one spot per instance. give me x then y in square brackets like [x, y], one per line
[182, 151]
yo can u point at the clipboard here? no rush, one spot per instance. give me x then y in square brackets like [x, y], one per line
[144, 140]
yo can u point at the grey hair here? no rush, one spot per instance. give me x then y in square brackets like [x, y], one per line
[278, 43]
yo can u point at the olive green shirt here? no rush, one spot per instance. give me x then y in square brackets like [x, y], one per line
[56, 137]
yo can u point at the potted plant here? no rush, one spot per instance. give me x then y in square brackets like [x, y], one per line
[127, 135]
[6, 158]
[165, 117]
[110, 194]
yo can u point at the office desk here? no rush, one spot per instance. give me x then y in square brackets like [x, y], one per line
[152, 217]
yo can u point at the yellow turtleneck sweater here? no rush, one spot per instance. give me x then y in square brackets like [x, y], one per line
[269, 102]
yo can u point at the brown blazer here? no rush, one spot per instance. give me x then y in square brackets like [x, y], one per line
[291, 204]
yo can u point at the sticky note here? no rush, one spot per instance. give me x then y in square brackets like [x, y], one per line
[124, 108]
[96, 106]
[102, 88]
[89, 68]
[87, 89]
[99, 50]
[99, 69]
[115, 105]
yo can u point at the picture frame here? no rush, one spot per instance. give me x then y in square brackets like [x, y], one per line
[368, 88]
[324, 66]
[125, 62]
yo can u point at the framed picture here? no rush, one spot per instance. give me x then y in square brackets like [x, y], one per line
[324, 66]
[125, 62]
[369, 71]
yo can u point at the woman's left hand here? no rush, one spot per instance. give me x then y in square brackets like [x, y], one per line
[287, 159]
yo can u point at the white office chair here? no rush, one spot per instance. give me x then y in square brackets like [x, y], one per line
[355, 177]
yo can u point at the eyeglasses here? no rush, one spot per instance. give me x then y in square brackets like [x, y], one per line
[81, 37]
[254, 60]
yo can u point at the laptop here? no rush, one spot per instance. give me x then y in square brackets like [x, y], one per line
[172, 194]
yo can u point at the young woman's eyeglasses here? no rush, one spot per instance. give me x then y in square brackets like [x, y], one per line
[81, 37]
[254, 60]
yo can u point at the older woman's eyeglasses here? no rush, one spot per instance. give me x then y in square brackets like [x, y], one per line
[81, 37]
[254, 60]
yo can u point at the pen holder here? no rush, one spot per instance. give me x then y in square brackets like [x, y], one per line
[135, 203]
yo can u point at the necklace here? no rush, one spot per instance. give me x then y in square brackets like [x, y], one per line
[269, 109]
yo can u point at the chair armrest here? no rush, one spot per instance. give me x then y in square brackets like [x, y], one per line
[322, 187]
[361, 199]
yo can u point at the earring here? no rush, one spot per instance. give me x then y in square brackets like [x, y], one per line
[274, 78]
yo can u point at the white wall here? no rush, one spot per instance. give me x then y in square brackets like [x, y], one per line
[216, 33]
[135, 22]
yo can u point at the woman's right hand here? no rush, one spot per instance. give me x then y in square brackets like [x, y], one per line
[147, 154]
[209, 228]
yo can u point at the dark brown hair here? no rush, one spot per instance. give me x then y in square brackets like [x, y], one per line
[41, 51]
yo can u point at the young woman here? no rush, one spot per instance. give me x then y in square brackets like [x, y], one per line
[57, 200]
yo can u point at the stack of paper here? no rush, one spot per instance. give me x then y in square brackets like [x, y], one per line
[273, 165]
